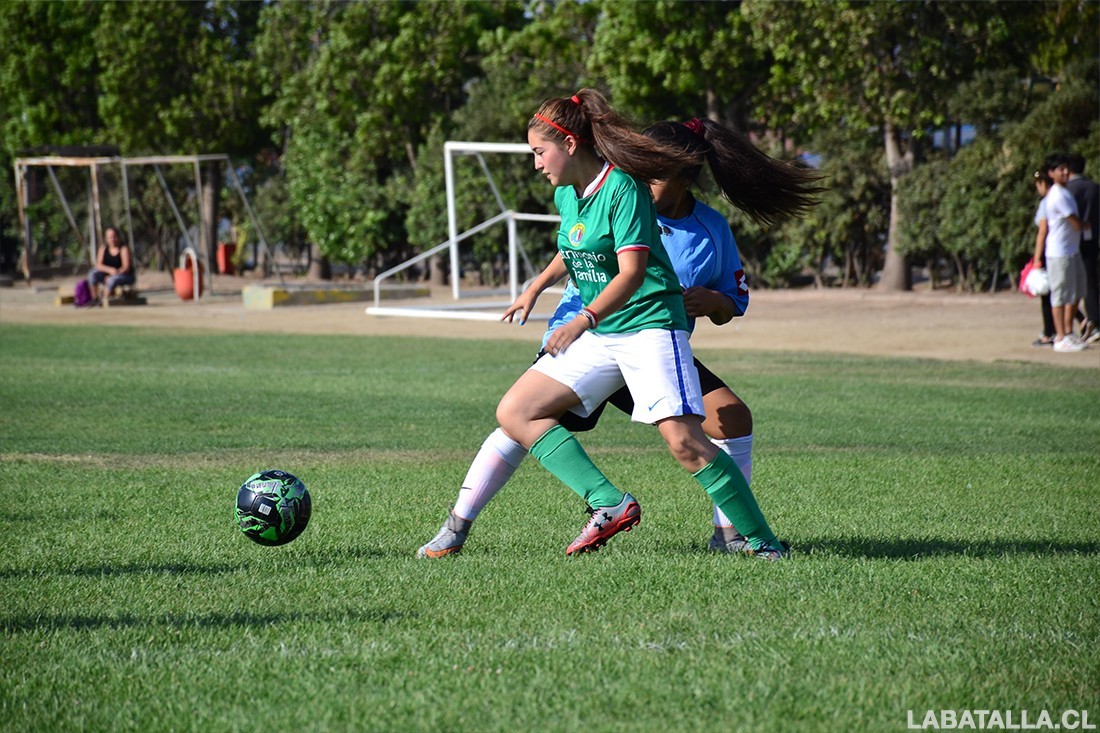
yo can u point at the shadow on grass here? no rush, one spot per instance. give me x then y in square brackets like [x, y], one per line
[107, 571]
[68, 514]
[317, 559]
[917, 549]
[235, 619]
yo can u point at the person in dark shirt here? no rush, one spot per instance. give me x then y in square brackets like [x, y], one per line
[1087, 195]
[114, 265]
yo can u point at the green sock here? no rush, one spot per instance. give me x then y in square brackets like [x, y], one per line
[560, 454]
[728, 489]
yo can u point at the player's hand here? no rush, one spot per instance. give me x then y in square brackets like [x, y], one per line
[565, 335]
[524, 304]
[699, 301]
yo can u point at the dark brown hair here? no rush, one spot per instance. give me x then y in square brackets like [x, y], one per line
[766, 189]
[590, 119]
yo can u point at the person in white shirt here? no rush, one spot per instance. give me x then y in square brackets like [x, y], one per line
[1062, 255]
[1042, 187]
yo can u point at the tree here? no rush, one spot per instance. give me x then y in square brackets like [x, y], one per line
[378, 77]
[848, 224]
[976, 208]
[48, 88]
[48, 75]
[179, 78]
[671, 59]
[887, 66]
[519, 68]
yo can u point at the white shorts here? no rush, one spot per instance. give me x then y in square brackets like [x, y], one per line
[657, 365]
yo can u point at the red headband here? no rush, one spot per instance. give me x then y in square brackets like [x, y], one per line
[559, 128]
[696, 127]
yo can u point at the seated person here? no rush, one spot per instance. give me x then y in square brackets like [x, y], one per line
[114, 265]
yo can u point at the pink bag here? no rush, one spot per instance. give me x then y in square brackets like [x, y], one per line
[1023, 278]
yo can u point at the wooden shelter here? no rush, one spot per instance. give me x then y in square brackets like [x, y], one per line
[94, 164]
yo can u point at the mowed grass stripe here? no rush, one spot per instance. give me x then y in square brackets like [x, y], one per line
[946, 516]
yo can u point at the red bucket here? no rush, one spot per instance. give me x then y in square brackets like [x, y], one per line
[184, 280]
[226, 250]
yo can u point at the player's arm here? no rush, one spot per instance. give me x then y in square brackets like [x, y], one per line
[632, 225]
[726, 295]
[525, 303]
[1040, 243]
[632, 263]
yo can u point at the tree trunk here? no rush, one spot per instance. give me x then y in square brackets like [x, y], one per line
[210, 189]
[319, 266]
[438, 268]
[713, 113]
[895, 271]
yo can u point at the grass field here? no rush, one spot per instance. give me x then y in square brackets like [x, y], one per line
[946, 518]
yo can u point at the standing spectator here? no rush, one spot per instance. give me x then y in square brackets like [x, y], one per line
[1042, 187]
[1062, 255]
[1087, 195]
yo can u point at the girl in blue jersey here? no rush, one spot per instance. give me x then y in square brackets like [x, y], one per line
[704, 275]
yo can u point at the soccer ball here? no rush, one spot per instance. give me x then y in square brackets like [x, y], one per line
[273, 507]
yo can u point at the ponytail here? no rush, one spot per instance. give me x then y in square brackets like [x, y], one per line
[765, 189]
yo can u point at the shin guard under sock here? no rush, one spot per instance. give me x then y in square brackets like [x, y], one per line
[560, 454]
[740, 450]
[722, 480]
[496, 461]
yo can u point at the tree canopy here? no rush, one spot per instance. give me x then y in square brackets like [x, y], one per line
[925, 117]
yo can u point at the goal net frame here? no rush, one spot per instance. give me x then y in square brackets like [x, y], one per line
[509, 217]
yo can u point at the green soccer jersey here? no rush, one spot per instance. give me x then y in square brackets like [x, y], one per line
[619, 216]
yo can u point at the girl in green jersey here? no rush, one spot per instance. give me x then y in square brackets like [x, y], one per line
[633, 328]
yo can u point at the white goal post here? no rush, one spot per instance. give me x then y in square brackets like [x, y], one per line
[453, 148]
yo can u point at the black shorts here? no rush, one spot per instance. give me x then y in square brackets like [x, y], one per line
[622, 399]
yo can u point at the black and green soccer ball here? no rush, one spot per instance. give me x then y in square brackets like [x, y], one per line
[273, 507]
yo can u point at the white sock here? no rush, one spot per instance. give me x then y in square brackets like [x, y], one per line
[740, 450]
[493, 465]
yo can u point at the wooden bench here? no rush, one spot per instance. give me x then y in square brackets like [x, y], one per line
[121, 295]
[124, 295]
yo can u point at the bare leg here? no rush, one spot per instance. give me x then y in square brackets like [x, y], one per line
[531, 407]
[727, 415]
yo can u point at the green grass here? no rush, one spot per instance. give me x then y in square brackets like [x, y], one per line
[947, 517]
